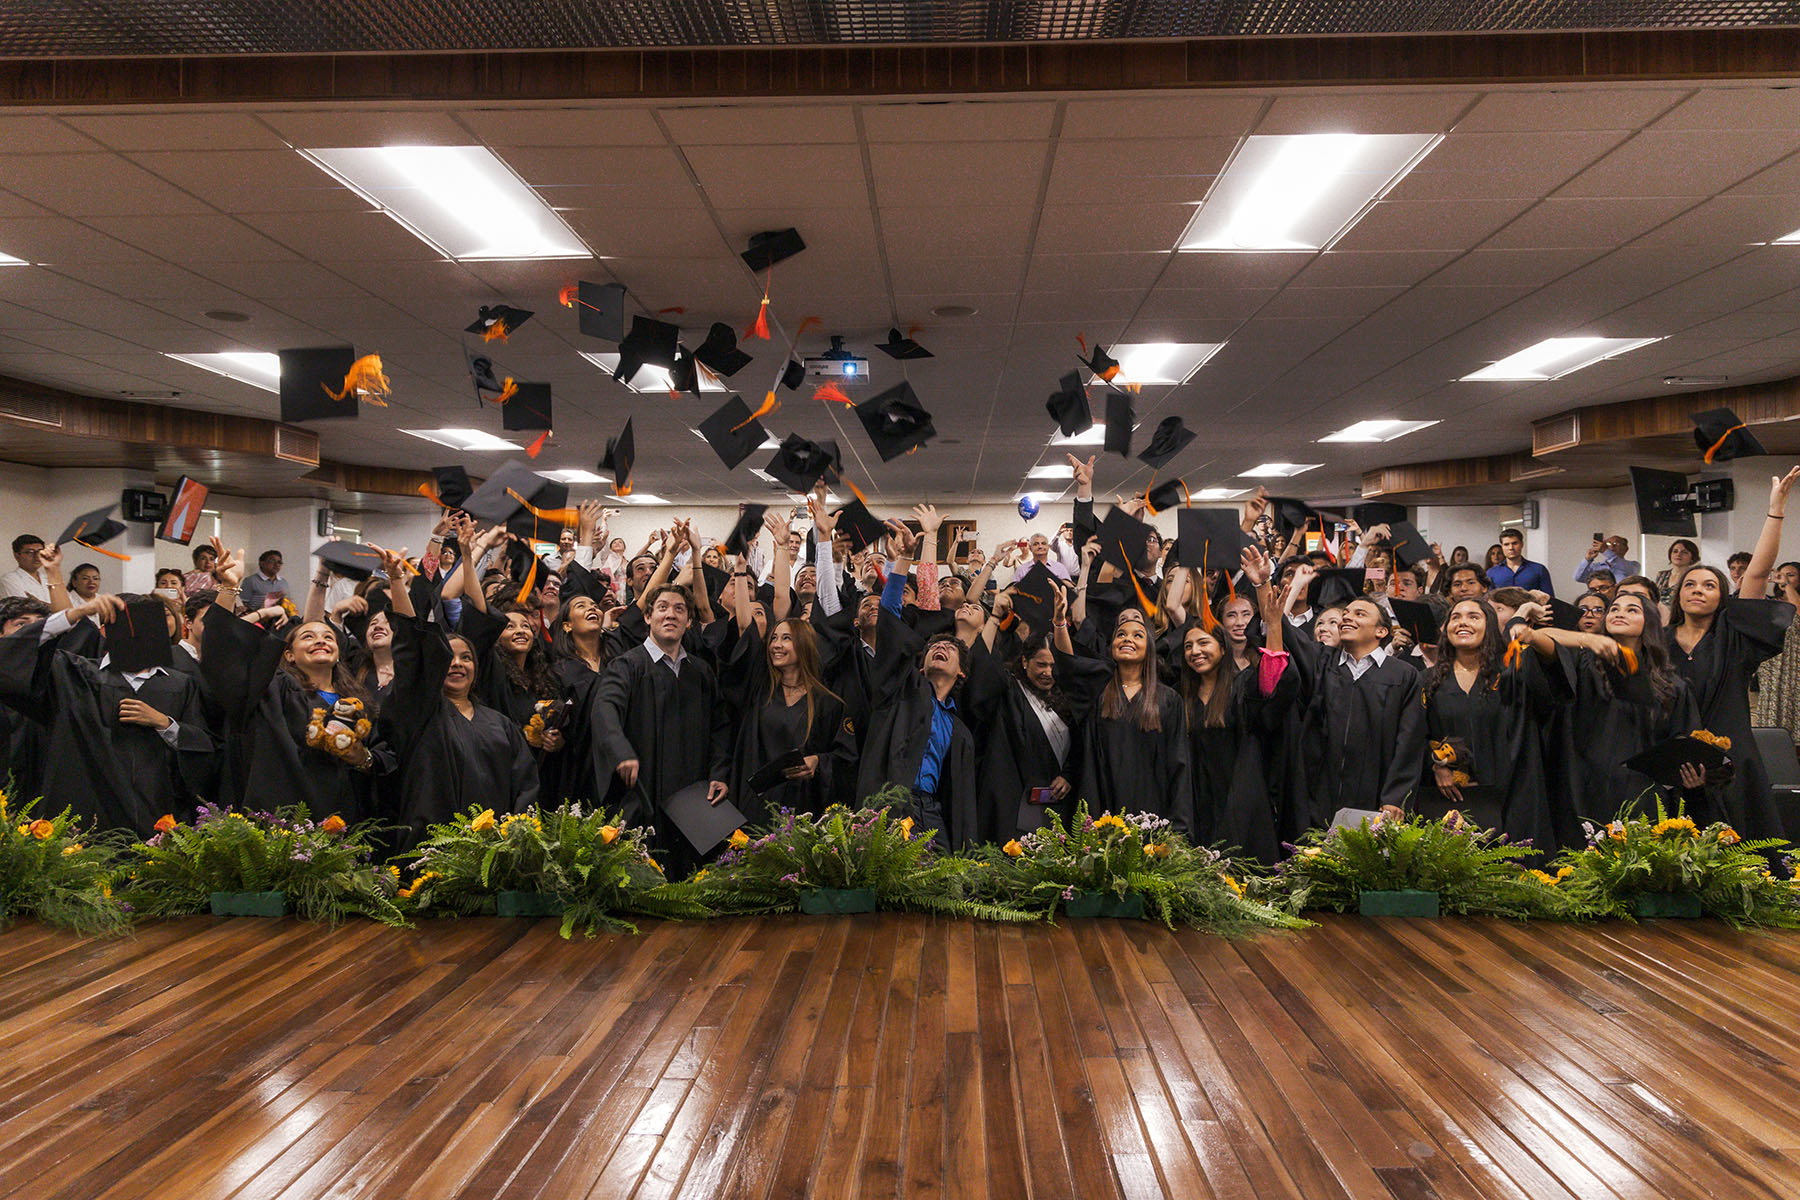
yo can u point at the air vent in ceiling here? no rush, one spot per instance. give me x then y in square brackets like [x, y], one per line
[34, 410]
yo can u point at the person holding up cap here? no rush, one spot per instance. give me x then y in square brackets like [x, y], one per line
[28, 578]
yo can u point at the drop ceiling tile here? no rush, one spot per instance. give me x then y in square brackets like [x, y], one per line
[42, 135]
[1568, 108]
[958, 120]
[783, 126]
[1479, 166]
[1168, 303]
[1736, 109]
[53, 240]
[276, 282]
[1430, 224]
[1507, 267]
[966, 229]
[784, 176]
[1344, 268]
[1412, 111]
[321, 129]
[1138, 169]
[1084, 272]
[252, 181]
[12, 206]
[1219, 114]
[177, 130]
[596, 125]
[1087, 308]
[332, 238]
[1111, 228]
[1728, 221]
[1204, 270]
[1680, 163]
[143, 281]
[910, 173]
[646, 232]
[917, 273]
[583, 177]
[1293, 301]
[83, 185]
[1586, 221]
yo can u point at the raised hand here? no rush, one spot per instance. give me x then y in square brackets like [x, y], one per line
[1256, 565]
[904, 540]
[928, 518]
[1779, 486]
[229, 569]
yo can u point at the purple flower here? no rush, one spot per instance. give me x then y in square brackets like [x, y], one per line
[1069, 892]
[793, 877]
[304, 856]
[124, 907]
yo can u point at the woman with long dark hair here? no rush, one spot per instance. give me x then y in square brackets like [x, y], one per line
[1683, 553]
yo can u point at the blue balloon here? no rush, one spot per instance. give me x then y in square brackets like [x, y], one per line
[1028, 507]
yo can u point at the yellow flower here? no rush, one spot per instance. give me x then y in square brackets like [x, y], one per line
[332, 824]
[1156, 850]
[700, 874]
[1313, 851]
[1729, 836]
[165, 823]
[394, 871]
[1233, 884]
[1676, 825]
[42, 829]
[1013, 849]
[1616, 831]
[654, 863]
[1563, 873]
[1541, 877]
[106, 890]
[739, 839]
[24, 831]
[1112, 820]
[71, 848]
[609, 834]
[906, 828]
[484, 821]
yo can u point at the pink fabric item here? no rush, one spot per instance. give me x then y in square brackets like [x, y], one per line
[928, 590]
[1269, 669]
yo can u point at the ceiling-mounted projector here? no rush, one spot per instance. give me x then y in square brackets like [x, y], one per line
[837, 364]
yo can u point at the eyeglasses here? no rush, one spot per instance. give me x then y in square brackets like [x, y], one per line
[1588, 610]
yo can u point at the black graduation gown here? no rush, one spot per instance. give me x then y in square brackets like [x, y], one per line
[119, 775]
[770, 727]
[1502, 727]
[675, 726]
[1720, 672]
[1607, 724]
[1235, 767]
[1125, 769]
[899, 734]
[1357, 743]
[560, 772]
[448, 761]
[864, 679]
[1013, 753]
[268, 710]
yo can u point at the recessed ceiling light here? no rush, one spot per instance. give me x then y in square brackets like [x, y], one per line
[7, 260]
[258, 368]
[1095, 436]
[1220, 493]
[1278, 470]
[230, 315]
[573, 475]
[464, 439]
[953, 311]
[1553, 358]
[1161, 362]
[1376, 431]
[1301, 191]
[1051, 471]
[462, 201]
[648, 378]
[642, 498]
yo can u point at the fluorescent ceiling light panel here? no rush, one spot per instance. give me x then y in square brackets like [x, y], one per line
[1279, 470]
[257, 368]
[1553, 358]
[1051, 471]
[1377, 431]
[1789, 239]
[464, 439]
[1040, 497]
[462, 201]
[642, 498]
[1095, 436]
[7, 260]
[1161, 362]
[572, 475]
[1220, 493]
[1301, 191]
[649, 378]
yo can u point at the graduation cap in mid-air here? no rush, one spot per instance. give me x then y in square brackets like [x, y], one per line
[92, 529]
[733, 432]
[799, 462]
[1104, 366]
[1118, 423]
[528, 409]
[793, 375]
[1407, 544]
[770, 247]
[1034, 596]
[719, 353]
[600, 310]
[1378, 512]
[1210, 538]
[138, 638]
[496, 322]
[543, 517]
[1418, 619]
[859, 525]
[1124, 541]
[1722, 437]
[621, 453]
[352, 560]
[896, 421]
[1166, 494]
[1335, 586]
[491, 383]
[1292, 515]
[650, 341]
[452, 485]
[1068, 405]
[684, 376]
[749, 522]
[1170, 438]
[503, 493]
[1663, 761]
[313, 383]
[902, 346]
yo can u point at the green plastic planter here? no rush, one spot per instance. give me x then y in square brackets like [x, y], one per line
[1685, 905]
[249, 904]
[527, 904]
[825, 902]
[1405, 903]
[1105, 904]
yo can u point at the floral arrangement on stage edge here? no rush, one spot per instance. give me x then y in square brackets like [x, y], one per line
[1122, 856]
[844, 849]
[1474, 871]
[53, 869]
[597, 866]
[324, 866]
[1634, 855]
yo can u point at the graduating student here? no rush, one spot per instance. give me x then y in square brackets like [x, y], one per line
[1715, 644]
[453, 750]
[1360, 739]
[917, 737]
[306, 723]
[1484, 723]
[125, 738]
[659, 726]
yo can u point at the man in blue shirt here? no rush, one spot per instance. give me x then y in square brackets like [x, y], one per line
[1608, 555]
[1514, 570]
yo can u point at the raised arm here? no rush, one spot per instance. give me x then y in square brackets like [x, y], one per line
[659, 576]
[781, 575]
[1768, 543]
[51, 559]
[399, 595]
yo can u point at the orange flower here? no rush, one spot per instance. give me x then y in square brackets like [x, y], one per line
[609, 834]
[165, 823]
[739, 839]
[484, 821]
[332, 824]
[42, 829]
[1013, 849]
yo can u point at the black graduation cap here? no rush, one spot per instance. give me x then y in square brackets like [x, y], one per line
[529, 408]
[1378, 513]
[732, 432]
[684, 376]
[493, 501]
[1722, 437]
[774, 772]
[650, 341]
[719, 353]
[1124, 540]
[859, 525]
[138, 638]
[1167, 494]
[1292, 515]
[1418, 619]
[1034, 597]
[92, 529]
[1171, 438]
[621, 453]
[770, 247]
[453, 485]
[1118, 423]
[715, 579]
[902, 346]
[1068, 405]
[498, 321]
[1212, 538]
[1104, 366]
[1334, 586]
[1564, 615]
[896, 421]
[600, 310]
[744, 532]
[1662, 762]
[550, 518]
[703, 824]
[1408, 544]
[484, 372]
[311, 379]
[800, 463]
[793, 375]
[352, 560]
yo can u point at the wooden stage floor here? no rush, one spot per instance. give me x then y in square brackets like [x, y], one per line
[899, 1056]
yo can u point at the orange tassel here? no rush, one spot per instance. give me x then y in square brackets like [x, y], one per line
[496, 332]
[1209, 620]
[431, 493]
[808, 323]
[1716, 446]
[759, 328]
[674, 308]
[533, 450]
[566, 297]
[622, 491]
[831, 393]
[1515, 654]
[508, 390]
[854, 490]
[530, 578]
[1628, 657]
[561, 516]
[365, 376]
[769, 405]
[1149, 608]
[103, 550]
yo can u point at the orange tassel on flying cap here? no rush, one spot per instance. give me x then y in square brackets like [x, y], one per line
[1149, 608]
[1628, 659]
[430, 492]
[530, 578]
[559, 516]
[831, 393]
[1209, 620]
[1718, 445]
[566, 297]
[759, 328]
[808, 323]
[533, 450]
[365, 376]
[769, 405]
